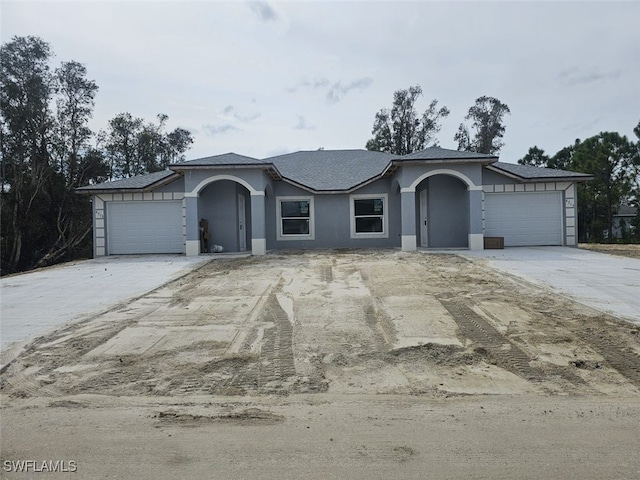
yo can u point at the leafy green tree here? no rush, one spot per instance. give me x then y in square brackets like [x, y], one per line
[75, 163]
[487, 123]
[26, 87]
[75, 103]
[134, 147]
[609, 157]
[535, 157]
[563, 159]
[402, 130]
[635, 197]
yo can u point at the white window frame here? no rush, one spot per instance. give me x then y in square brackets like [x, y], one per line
[307, 236]
[385, 215]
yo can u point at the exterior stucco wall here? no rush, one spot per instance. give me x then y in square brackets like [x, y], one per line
[494, 178]
[332, 218]
[252, 179]
[176, 186]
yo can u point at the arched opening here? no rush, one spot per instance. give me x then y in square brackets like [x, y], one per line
[442, 211]
[224, 210]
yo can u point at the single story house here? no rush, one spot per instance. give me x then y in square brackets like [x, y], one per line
[623, 220]
[435, 198]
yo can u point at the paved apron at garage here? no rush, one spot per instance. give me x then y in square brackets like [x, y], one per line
[38, 301]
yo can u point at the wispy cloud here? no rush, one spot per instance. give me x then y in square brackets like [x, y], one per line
[581, 76]
[333, 91]
[313, 84]
[338, 90]
[263, 11]
[231, 112]
[214, 130]
[302, 124]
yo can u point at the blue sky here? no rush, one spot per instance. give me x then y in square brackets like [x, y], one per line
[265, 78]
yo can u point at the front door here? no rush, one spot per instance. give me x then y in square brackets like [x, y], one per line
[424, 223]
[242, 232]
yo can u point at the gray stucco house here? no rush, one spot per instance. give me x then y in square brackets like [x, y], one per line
[436, 198]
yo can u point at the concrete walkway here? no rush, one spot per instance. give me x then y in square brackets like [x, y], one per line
[35, 302]
[605, 282]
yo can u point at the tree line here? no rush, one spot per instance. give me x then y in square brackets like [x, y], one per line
[611, 158]
[48, 150]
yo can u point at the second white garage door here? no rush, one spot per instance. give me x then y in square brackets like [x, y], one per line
[144, 227]
[524, 219]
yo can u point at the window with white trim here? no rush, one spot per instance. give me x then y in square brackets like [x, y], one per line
[369, 218]
[295, 218]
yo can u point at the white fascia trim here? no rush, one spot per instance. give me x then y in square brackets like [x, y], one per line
[192, 248]
[476, 241]
[409, 243]
[258, 246]
[408, 190]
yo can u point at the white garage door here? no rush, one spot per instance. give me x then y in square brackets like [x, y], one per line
[144, 227]
[524, 219]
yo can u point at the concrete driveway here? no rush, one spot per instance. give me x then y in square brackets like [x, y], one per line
[607, 283]
[38, 301]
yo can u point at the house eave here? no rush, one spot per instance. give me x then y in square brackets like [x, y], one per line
[180, 168]
[448, 161]
[148, 188]
[582, 178]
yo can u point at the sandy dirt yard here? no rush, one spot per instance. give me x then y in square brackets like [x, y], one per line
[622, 250]
[368, 364]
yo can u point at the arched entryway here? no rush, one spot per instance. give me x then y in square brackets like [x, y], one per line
[224, 209]
[234, 210]
[442, 210]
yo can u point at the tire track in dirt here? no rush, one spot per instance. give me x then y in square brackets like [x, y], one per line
[618, 356]
[276, 354]
[486, 337]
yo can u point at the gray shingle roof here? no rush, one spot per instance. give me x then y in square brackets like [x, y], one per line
[226, 159]
[331, 170]
[133, 183]
[437, 153]
[335, 170]
[627, 210]
[529, 172]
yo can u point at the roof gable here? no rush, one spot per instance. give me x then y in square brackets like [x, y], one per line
[331, 170]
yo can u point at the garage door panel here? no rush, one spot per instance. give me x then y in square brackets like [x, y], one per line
[524, 219]
[144, 227]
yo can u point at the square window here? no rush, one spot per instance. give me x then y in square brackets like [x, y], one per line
[368, 216]
[295, 218]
